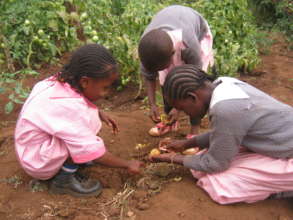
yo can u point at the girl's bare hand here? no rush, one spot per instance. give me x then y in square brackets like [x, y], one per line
[163, 143]
[109, 121]
[176, 145]
[166, 157]
[134, 166]
[154, 114]
[173, 116]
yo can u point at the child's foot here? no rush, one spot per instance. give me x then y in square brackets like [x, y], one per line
[74, 184]
[161, 129]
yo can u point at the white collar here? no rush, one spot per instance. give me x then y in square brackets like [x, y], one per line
[227, 89]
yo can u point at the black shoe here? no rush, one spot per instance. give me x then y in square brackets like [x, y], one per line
[75, 185]
[281, 195]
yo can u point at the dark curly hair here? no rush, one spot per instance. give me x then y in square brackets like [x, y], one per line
[91, 60]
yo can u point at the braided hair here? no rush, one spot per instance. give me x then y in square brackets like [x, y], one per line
[184, 79]
[91, 60]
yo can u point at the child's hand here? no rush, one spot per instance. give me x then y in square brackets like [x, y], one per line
[173, 116]
[134, 166]
[154, 114]
[165, 157]
[163, 143]
[177, 146]
[169, 145]
[109, 121]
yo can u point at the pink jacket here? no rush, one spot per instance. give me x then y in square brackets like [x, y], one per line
[55, 123]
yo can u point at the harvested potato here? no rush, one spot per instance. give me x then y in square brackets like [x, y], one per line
[164, 119]
[140, 146]
[154, 152]
[191, 151]
[177, 179]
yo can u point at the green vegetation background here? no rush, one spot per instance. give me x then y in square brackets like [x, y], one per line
[34, 32]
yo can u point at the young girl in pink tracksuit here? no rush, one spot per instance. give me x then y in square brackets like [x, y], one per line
[57, 128]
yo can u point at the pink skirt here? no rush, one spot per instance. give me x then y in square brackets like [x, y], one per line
[250, 178]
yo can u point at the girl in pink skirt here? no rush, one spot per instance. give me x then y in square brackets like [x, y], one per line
[247, 155]
[176, 35]
[57, 128]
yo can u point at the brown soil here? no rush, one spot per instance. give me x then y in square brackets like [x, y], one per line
[163, 191]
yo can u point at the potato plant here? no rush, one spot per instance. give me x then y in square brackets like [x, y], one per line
[232, 25]
[34, 32]
[12, 84]
[277, 14]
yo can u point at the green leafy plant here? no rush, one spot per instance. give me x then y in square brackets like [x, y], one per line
[34, 32]
[12, 84]
[235, 34]
[38, 31]
[276, 14]
[119, 31]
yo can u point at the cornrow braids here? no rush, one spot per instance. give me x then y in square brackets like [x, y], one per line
[184, 79]
[91, 60]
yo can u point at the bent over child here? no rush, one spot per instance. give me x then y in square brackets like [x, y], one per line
[176, 35]
[57, 127]
[248, 152]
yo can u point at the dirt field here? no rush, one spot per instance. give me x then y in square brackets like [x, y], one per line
[163, 191]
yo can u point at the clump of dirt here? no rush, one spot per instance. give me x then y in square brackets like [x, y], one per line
[113, 178]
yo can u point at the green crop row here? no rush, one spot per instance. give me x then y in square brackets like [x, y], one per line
[34, 32]
[275, 14]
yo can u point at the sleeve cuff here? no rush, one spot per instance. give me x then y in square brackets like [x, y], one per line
[188, 162]
[203, 140]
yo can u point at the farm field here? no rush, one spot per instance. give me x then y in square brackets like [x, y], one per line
[252, 40]
[162, 192]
